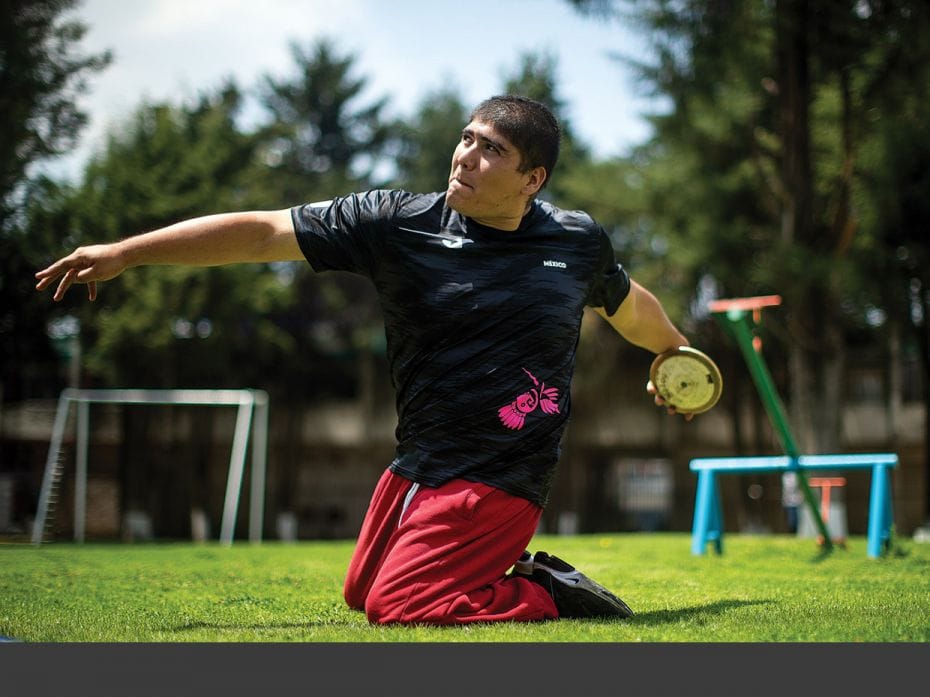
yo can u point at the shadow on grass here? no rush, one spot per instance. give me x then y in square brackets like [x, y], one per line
[889, 551]
[257, 628]
[655, 617]
[674, 616]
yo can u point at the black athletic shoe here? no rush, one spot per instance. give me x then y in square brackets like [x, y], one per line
[575, 595]
[524, 565]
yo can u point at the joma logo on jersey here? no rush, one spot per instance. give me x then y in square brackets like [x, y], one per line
[556, 264]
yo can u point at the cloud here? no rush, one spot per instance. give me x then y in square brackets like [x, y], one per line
[169, 50]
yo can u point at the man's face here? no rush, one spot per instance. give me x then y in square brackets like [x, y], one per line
[485, 183]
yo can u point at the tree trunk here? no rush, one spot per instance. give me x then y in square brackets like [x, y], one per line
[894, 406]
[794, 92]
[925, 362]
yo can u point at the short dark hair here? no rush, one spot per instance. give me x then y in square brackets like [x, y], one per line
[528, 124]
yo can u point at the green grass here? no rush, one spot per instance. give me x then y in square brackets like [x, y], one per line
[763, 589]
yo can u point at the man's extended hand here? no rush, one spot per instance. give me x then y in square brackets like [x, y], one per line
[88, 265]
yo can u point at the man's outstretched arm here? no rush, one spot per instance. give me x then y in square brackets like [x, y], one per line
[642, 321]
[225, 238]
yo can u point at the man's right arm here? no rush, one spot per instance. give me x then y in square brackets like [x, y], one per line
[213, 240]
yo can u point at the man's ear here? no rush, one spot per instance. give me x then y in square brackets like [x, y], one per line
[535, 179]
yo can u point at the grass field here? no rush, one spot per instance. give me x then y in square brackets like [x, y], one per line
[763, 589]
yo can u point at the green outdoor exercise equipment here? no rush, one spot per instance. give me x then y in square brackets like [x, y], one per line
[740, 318]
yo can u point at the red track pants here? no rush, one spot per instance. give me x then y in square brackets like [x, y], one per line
[443, 559]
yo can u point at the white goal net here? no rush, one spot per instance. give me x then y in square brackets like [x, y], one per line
[251, 420]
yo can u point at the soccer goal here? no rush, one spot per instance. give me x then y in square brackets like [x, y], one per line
[251, 419]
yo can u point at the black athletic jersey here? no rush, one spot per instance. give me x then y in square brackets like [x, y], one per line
[482, 326]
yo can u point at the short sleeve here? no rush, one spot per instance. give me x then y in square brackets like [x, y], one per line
[345, 234]
[611, 283]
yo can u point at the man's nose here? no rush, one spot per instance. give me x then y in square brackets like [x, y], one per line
[467, 155]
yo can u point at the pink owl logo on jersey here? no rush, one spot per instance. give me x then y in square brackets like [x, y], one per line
[514, 414]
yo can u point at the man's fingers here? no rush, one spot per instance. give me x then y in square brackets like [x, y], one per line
[66, 282]
[45, 278]
[53, 271]
[77, 267]
[660, 401]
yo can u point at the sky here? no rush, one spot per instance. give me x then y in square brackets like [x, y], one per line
[407, 49]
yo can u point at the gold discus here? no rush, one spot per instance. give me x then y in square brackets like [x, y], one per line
[687, 379]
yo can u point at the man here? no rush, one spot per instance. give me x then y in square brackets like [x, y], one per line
[482, 289]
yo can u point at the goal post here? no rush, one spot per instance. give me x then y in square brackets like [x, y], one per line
[251, 420]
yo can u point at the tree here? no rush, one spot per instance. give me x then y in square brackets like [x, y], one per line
[536, 77]
[161, 326]
[319, 143]
[323, 141]
[41, 76]
[892, 193]
[427, 139]
[229, 326]
[754, 168]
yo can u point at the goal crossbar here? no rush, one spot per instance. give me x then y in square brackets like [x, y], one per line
[251, 418]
